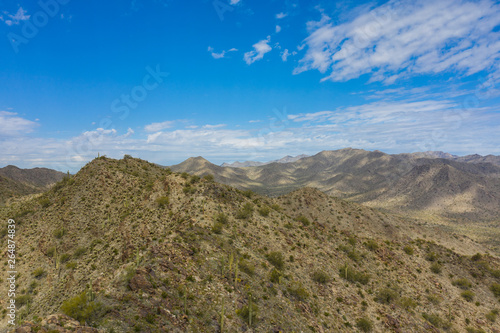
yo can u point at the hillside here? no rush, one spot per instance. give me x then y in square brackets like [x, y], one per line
[286, 159]
[15, 182]
[399, 182]
[128, 246]
[475, 158]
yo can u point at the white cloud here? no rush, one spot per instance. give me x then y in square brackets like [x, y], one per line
[214, 126]
[285, 54]
[281, 15]
[220, 55]
[234, 2]
[278, 28]
[13, 125]
[402, 39]
[155, 127]
[16, 18]
[260, 48]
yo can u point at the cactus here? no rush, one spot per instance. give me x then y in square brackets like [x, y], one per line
[236, 271]
[231, 259]
[250, 311]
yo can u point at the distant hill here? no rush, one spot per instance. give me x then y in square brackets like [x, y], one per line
[127, 246]
[16, 182]
[440, 185]
[468, 158]
[286, 159]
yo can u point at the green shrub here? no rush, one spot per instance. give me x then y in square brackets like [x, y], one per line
[245, 212]
[44, 202]
[274, 275]
[217, 227]
[80, 308]
[387, 295]
[209, 178]
[408, 250]
[477, 257]
[276, 259]
[407, 303]
[264, 211]
[185, 175]
[39, 273]
[320, 277]
[462, 283]
[194, 179]
[435, 320]
[247, 267]
[468, 295]
[221, 218]
[298, 291]
[247, 193]
[71, 265]
[371, 245]
[304, 220]
[162, 201]
[59, 233]
[64, 258]
[247, 315]
[79, 252]
[495, 289]
[22, 300]
[431, 256]
[364, 324]
[350, 274]
[492, 315]
[436, 268]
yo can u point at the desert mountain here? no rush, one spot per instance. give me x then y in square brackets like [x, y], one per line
[475, 158]
[17, 182]
[402, 182]
[125, 245]
[286, 159]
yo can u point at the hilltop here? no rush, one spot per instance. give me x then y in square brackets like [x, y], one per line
[125, 245]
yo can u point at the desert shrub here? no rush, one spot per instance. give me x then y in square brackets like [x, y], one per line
[194, 179]
[462, 283]
[436, 268]
[39, 273]
[495, 289]
[350, 274]
[44, 202]
[79, 252]
[304, 220]
[435, 320]
[71, 265]
[51, 251]
[371, 245]
[245, 212]
[407, 303]
[408, 250]
[184, 175]
[209, 178]
[80, 308]
[297, 291]
[492, 315]
[264, 211]
[247, 267]
[276, 259]
[217, 227]
[64, 258]
[387, 295]
[468, 295]
[22, 300]
[162, 201]
[320, 277]
[59, 233]
[276, 207]
[274, 275]
[248, 312]
[474, 330]
[432, 256]
[248, 193]
[434, 299]
[495, 273]
[188, 189]
[477, 257]
[364, 324]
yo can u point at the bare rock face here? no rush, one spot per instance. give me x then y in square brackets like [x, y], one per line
[55, 322]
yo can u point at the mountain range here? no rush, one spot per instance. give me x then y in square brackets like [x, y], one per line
[15, 182]
[128, 246]
[461, 188]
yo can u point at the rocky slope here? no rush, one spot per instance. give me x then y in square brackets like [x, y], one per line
[128, 246]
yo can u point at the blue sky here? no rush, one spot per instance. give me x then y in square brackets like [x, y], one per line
[230, 80]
